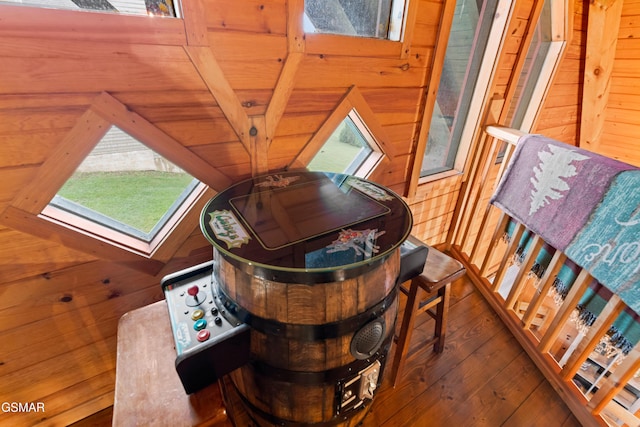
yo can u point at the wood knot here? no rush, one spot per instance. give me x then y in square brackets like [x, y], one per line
[405, 67]
[66, 298]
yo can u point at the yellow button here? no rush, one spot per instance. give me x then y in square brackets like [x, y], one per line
[197, 314]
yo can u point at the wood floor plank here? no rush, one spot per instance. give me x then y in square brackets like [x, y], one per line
[470, 324]
[542, 408]
[482, 378]
[502, 395]
[436, 405]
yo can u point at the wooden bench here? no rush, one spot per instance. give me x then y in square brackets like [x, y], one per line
[435, 280]
[148, 389]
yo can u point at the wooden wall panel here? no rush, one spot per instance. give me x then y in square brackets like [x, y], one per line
[562, 109]
[622, 124]
[61, 25]
[565, 95]
[27, 67]
[347, 71]
[59, 307]
[253, 16]
[433, 208]
[22, 256]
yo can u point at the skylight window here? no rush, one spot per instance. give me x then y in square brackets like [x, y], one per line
[125, 186]
[347, 150]
[135, 7]
[381, 19]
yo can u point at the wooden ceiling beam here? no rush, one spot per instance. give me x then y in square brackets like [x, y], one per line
[287, 79]
[282, 92]
[213, 76]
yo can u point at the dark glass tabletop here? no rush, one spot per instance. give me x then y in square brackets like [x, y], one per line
[306, 221]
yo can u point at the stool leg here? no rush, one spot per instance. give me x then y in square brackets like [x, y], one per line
[442, 314]
[402, 346]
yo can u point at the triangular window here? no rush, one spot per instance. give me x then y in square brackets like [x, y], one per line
[107, 189]
[351, 141]
[349, 149]
[124, 185]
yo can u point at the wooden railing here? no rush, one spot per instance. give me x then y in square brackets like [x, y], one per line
[596, 379]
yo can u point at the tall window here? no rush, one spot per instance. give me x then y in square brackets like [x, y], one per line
[365, 18]
[470, 57]
[465, 48]
[534, 73]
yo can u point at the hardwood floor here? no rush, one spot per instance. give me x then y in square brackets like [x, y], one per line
[483, 377]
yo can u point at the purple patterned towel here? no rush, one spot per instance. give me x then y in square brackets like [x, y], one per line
[553, 187]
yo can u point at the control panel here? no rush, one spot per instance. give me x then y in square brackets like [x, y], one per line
[209, 341]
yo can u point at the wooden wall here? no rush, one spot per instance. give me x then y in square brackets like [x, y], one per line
[567, 105]
[560, 116]
[59, 306]
[622, 117]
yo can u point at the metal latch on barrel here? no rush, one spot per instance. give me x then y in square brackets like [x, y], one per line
[362, 386]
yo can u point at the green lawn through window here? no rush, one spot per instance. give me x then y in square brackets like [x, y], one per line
[139, 199]
[335, 155]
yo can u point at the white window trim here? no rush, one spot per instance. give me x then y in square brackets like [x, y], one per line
[395, 30]
[559, 28]
[488, 69]
[481, 95]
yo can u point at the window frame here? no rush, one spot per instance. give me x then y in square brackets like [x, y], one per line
[550, 64]
[352, 105]
[394, 29]
[97, 217]
[44, 4]
[31, 212]
[357, 46]
[481, 96]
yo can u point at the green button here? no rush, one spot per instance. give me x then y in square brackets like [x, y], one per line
[200, 324]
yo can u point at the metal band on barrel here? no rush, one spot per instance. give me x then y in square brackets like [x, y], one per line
[303, 276]
[302, 332]
[252, 409]
[321, 377]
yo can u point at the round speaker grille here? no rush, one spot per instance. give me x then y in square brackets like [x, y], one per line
[368, 339]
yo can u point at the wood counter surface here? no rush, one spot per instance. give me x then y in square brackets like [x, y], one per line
[148, 389]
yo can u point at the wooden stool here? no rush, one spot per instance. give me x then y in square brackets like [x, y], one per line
[438, 273]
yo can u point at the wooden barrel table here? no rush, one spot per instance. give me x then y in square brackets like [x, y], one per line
[310, 261]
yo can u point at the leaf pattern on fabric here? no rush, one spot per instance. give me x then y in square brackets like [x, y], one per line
[548, 183]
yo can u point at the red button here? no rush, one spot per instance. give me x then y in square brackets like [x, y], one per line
[193, 290]
[203, 335]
